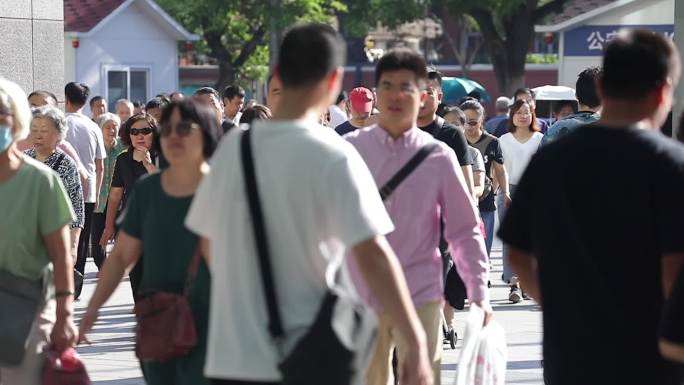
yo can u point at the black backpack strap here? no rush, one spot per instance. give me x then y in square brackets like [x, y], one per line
[275, 325]
[405, 171]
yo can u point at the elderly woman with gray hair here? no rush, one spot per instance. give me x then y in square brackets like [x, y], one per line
[48, 128]
[36, 279]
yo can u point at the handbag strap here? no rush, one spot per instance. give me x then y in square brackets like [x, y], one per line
[275, 325]
[405, 171]
[193, 267]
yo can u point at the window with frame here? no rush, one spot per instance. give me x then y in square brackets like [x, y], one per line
[130, 83]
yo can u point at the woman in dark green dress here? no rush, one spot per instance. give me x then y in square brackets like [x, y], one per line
[153, 225]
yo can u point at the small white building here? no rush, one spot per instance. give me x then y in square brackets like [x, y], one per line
[586, 26]
[122, 48]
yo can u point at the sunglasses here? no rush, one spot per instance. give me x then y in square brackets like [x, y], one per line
[141, 131]
[183, 129]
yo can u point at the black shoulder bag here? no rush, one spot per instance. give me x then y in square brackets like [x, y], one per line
[339, 342]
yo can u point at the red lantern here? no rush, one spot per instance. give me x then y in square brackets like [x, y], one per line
[548, 38]
[75, 43]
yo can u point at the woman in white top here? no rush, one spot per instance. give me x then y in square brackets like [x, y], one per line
[518, 146]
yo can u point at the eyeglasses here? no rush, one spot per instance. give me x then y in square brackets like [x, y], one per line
[183, 129]
[140, 131]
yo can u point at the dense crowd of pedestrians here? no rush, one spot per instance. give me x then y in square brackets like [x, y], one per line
[256, 230]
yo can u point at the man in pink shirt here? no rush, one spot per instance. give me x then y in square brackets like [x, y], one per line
[435, 186]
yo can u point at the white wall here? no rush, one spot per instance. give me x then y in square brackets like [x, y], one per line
[131, 38]
[678, 108]
[640, 12]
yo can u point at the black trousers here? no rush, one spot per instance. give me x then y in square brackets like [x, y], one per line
[84, 240]
[98, 226]
[234, 382]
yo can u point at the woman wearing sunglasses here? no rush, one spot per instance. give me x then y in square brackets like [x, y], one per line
[138, 135]
[155, 215]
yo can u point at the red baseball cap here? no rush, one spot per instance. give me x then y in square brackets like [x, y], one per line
[361, 99]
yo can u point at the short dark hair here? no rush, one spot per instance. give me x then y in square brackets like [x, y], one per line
[164, 96]
[402, 59]
[256, 112]
[95, 99]
[156, 102]
[558, 106]
[534, 126]
[138, 104]
[233, 91]
[456, 110]
[309, 52]
[341, 97]
[434, 74]
[474, 105]
[636, 63]
[207, 91]
[526, 91]
[585, 88]
[76, 93]
[125, 132]
[45, 94]
[202, 116]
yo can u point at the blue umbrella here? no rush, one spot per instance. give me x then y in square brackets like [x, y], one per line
[456, 88]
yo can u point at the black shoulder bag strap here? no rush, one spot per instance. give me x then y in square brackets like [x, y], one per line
[275, 325]
[405, 171]
[55, 166]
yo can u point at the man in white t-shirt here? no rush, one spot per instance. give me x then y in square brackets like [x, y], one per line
[319, 202]
[86, 138]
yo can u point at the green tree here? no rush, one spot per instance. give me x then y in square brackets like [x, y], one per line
[507, 27]
[236, 32]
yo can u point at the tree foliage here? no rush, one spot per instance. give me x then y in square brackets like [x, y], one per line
[236, 32]
[507, 27]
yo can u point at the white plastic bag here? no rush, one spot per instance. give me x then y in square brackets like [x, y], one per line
[484, 354]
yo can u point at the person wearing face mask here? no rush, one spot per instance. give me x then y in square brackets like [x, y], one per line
[35, 251]
[138, 134]
[110, 124]
[48, 128]
[156, 212]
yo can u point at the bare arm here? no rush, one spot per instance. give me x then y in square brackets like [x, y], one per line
[468, 176]
[671, 266]
[478, 184]
[383, 275]
[205, 248]
[115, 196]
[57, 243]
[671, 350]
[525, 266]
[502, 178]
[99, 172]
[123, 258]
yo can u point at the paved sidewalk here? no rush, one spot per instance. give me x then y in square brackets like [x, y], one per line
[111, 360]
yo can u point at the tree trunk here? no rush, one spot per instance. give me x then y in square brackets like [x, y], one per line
[226, 75]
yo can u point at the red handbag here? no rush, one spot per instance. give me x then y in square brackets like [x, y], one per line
[64, 369]
[166, 328]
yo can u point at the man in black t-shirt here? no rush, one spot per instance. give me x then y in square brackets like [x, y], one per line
[442, 130]
[618, 233]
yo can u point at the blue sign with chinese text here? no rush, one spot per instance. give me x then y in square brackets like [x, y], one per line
[590, 40]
